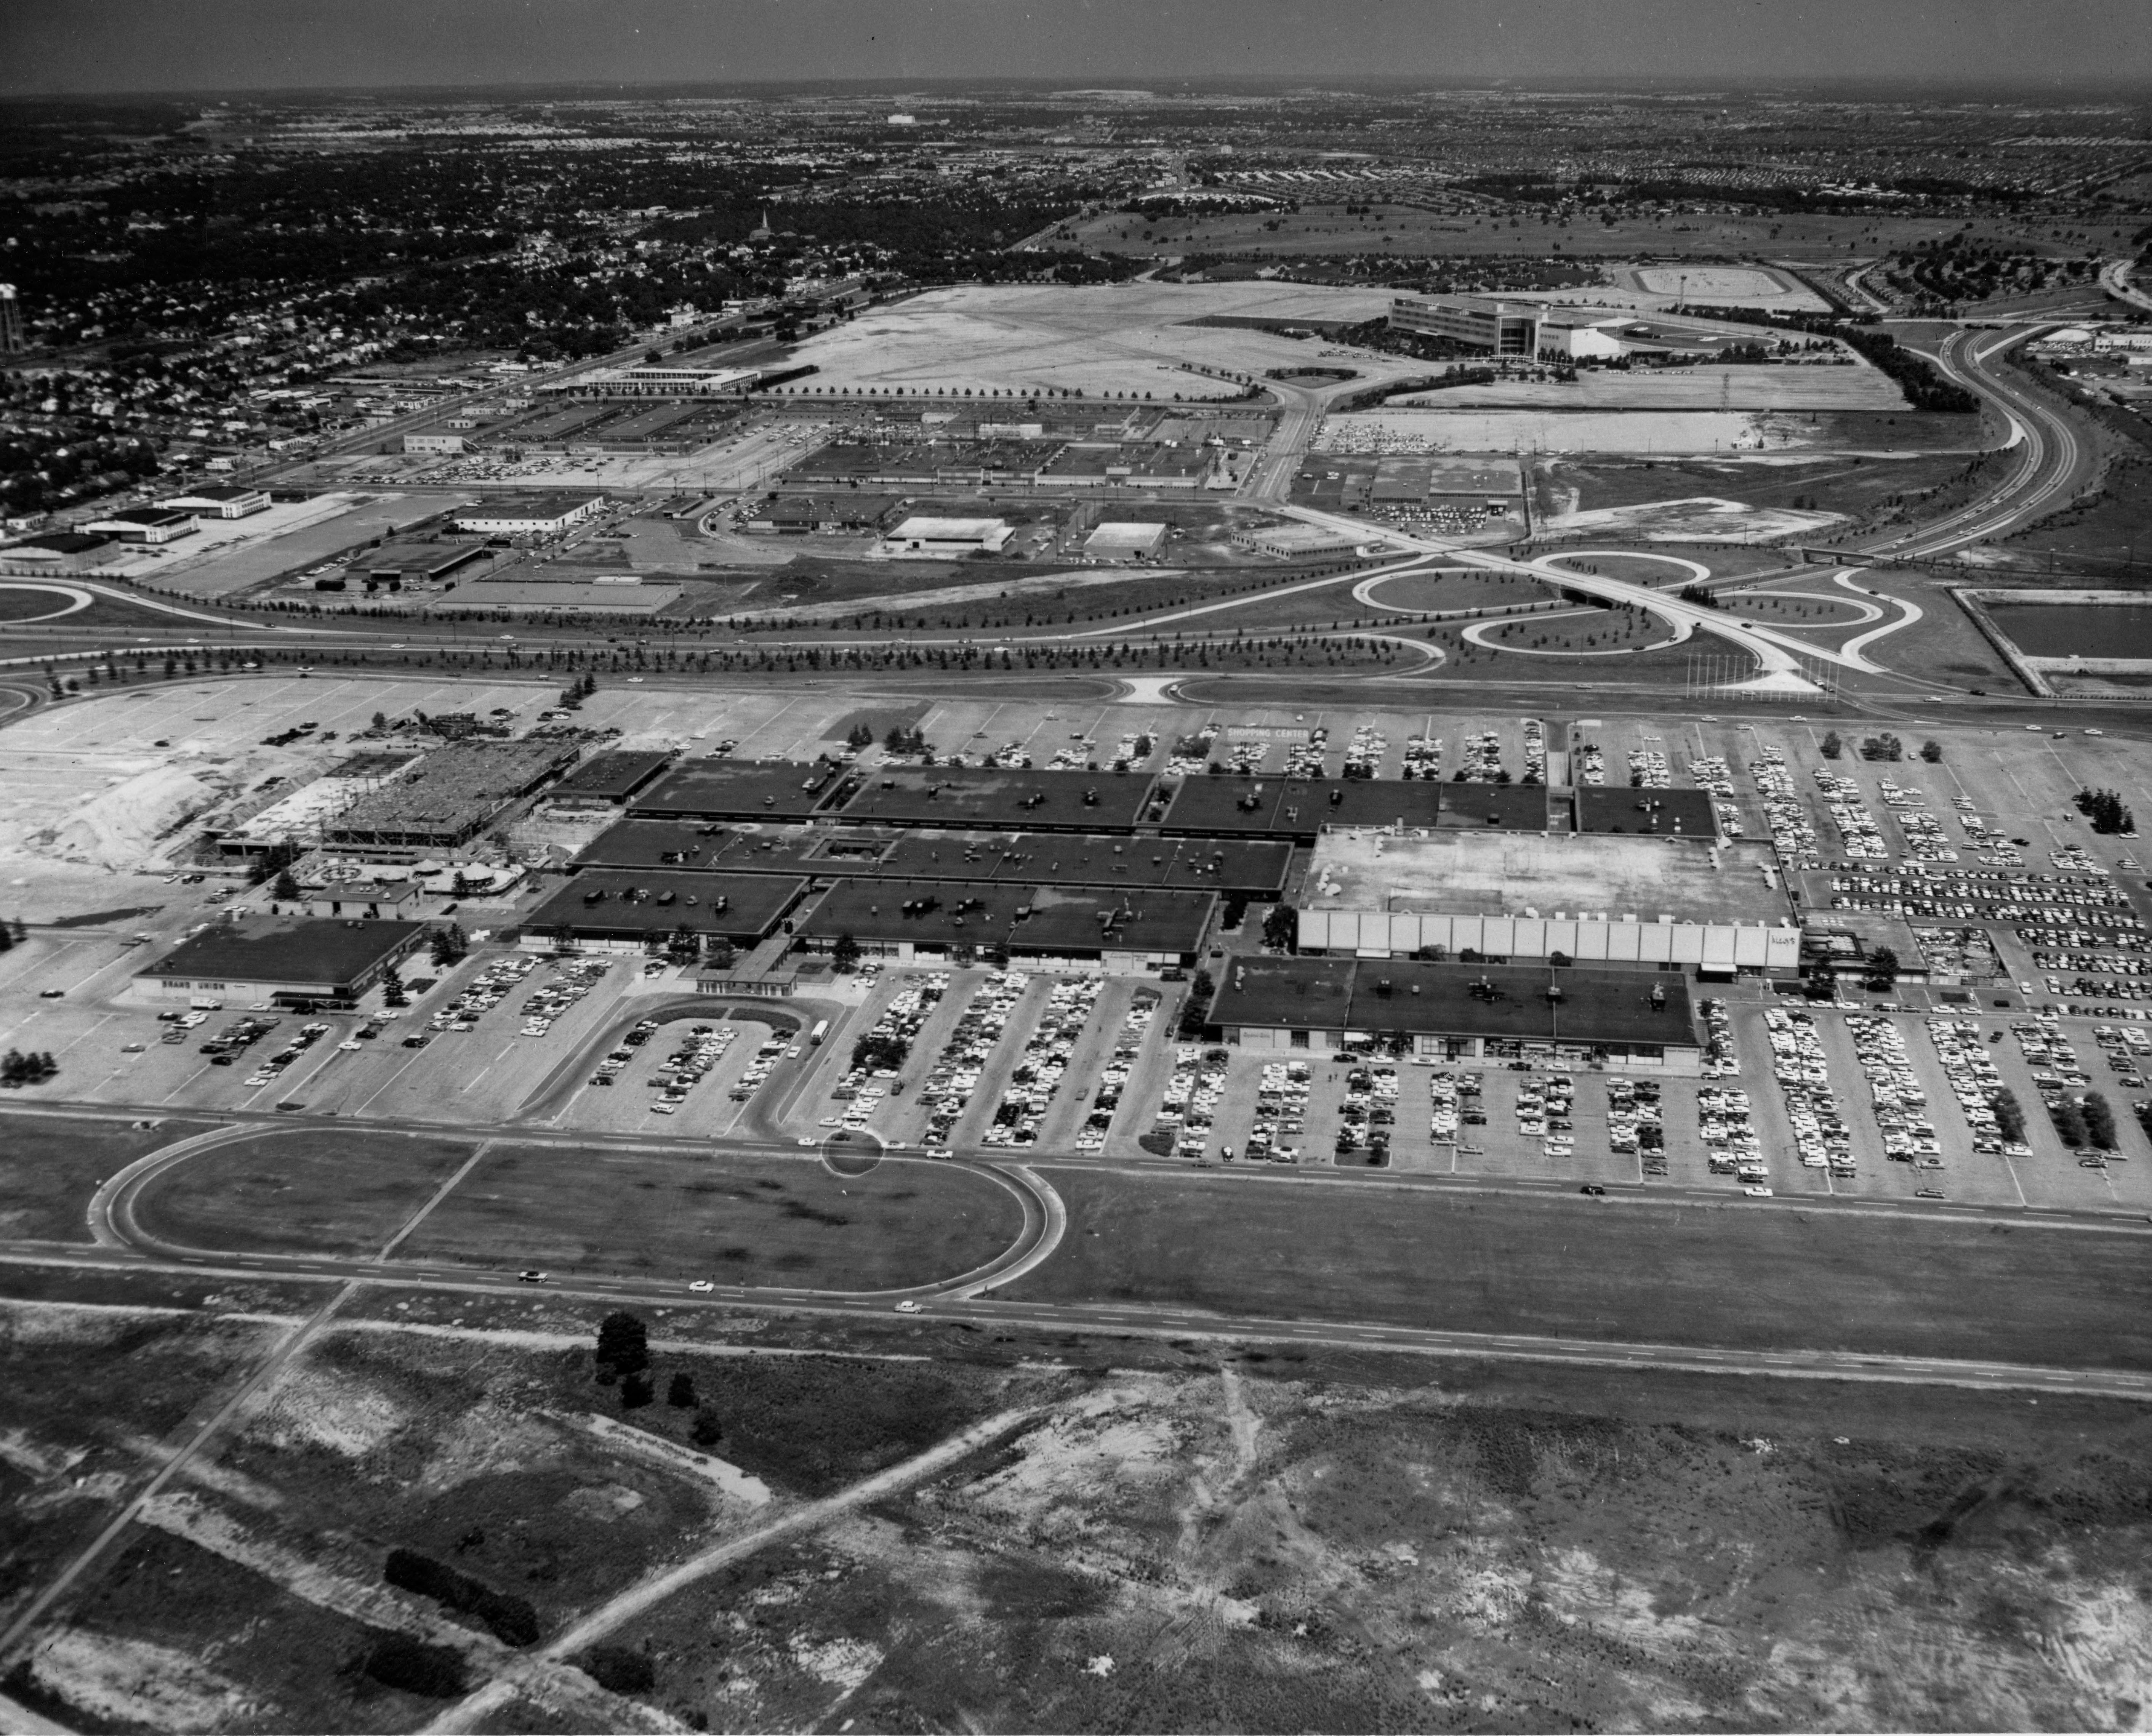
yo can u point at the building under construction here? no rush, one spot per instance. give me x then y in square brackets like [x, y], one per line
[446, 798]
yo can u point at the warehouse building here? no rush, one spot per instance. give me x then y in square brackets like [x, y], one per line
[630, 911]
[395, 564]
[932, 539]
[1662, 901]
[1065, 927]
[57, 552]
[447, 798]
[608, 780]
[1542, 1015]
[1301, 542]
[154, 525]
[1131, 543]
[528, 515]
[284, 959]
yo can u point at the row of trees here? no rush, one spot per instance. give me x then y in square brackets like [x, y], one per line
[33, 1067]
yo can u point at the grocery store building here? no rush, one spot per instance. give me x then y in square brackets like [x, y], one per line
[284, 959]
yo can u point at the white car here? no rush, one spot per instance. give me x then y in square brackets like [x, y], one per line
[1754, 1192]
[701, 1287]
[804, 1141]
[350, 1044]
[907, 1307]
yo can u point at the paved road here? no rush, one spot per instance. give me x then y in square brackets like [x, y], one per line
[2052, 460]
[2114, 278]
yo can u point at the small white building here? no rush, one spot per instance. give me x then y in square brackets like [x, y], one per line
[1128, 542]
[433, 443]
[221, 503]
[931, 539]
[529, 514]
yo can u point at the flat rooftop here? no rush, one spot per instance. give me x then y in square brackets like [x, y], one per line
[729, 789]
[743, 907]
[296, 950]
[1298, 807]
[1506, 807]
[1494, 873]
[1255, 868]
[612, 777]
[1068, 919]
[986, 798]
[1399, 997]
[1677, 813]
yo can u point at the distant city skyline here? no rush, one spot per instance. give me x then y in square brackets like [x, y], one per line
[116, 47]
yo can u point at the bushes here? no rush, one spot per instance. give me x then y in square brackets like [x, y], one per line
[512, 1620]
[619, 1669]
[2070, 1119]
[2099, 1120]
[2104, 808]
[397, 1661]
[2009, 1115]
[880, 1048]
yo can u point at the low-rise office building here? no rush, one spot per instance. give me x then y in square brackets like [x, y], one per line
[1078, 928]
[232, 502]
[154, 525]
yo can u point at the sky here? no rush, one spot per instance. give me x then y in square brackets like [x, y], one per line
[96, 46]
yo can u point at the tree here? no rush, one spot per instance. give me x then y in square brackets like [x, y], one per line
[619, 1669]
[623, 1343]
[1932, 751]
[1282, 927]
[680, 1393]
[1883, 968]
[846, 954]
[685, 947]
[450, 944]
[381, 720]
[286, 889]
[707, 1431]
[635, 1391]
[1832, 746]
[880, 1048]
[1559, 959]
[1195, 1010]
[2009, 1115]
[2099, 1120]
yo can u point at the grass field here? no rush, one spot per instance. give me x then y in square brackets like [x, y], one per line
[328, 1192]
[1738, 1276]
[49, 1168]
[739, 1221]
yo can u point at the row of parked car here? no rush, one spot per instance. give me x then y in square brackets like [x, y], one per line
[1190, 1102]
[572, 979]
[1849, 812]
[1038, 1071]
[957, 1070]
[1792, 835]
[1975, 1082]
[1114, 1077]
[484, 992]
[1901, 1103]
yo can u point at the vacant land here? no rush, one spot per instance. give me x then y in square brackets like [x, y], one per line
[1738, 1275]
[329, 1192]
[50, 1166]
[735, 1219]
[1126, 341]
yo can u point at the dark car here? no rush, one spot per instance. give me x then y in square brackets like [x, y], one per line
[1594, 1189]
[52, 994]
